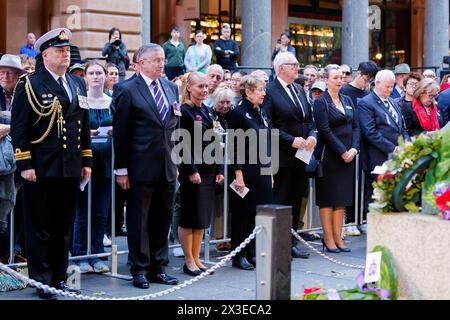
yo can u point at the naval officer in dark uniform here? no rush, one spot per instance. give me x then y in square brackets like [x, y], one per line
[50, 132]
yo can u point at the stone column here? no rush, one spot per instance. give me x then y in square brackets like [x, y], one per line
[355, 32]
[256, 33]
[436, 32]
[146, 21]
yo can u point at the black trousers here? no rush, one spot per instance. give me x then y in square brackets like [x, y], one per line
[49, 212]
[242, 225]
[290, 184]
[149, 215]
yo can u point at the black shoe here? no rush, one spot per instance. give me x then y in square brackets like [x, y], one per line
[190, 272]
[204, 270]
[242, 263]
[333, 250]
[163, 278]
[46, 295]
[64, 287]
[343, 249]
[140, 281]
[297, 253]
[307, 236]
[252, 261]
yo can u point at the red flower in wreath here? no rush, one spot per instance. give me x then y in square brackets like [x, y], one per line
[307, 291]
[389, 176]
[198, 117]
[443, 201]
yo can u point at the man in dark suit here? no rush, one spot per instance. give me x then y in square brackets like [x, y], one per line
[146, 116]
[291, 114]
[381, 125]
[51, 137]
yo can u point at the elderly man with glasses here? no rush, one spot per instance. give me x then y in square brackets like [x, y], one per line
[290, 113]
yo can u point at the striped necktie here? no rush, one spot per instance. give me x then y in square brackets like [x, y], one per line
[159, 99]
[391, 110]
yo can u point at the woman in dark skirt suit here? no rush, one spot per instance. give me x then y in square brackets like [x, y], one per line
[197, 181]
[249, 116]
[339, 134]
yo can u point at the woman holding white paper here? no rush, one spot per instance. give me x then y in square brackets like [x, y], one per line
[254, 172]
[338, 145]
[100, 118]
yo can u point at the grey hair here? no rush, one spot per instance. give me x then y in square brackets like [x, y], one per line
[384, 74]
[221, 93]
[327, 70]
[217, 67]
[281, 58]
[145, 48]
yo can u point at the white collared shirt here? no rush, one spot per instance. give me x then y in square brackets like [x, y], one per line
[149, 82]
[285, 86]
[65, 83]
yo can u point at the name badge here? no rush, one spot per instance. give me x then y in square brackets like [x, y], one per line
[348, 107]
[176, 109]
[83, 102]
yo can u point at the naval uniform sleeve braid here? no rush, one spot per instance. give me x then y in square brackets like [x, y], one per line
[21, 123]
[86, 151]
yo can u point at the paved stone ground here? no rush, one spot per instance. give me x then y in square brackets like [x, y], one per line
[227, 283]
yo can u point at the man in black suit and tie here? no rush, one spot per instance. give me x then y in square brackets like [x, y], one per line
[291, 114]
[381, 125]
[147, 114]
[51, 138]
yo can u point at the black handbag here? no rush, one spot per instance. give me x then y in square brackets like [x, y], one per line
[314, 168]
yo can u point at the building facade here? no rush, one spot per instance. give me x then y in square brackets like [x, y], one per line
[323, 31]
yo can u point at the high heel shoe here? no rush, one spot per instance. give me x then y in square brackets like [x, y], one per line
[190, 272]
[344, 249]
[324, 246]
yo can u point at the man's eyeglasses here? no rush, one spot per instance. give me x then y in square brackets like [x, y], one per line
[295, 64]
[157, 61]
[412, 84]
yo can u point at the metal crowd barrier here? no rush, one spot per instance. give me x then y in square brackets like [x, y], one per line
[312, 211]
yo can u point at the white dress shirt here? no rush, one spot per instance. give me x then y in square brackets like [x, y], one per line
[285, 86]
[65, 83]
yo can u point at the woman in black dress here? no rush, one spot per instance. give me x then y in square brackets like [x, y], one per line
[339, 135]
[197, 181]
[256, 176]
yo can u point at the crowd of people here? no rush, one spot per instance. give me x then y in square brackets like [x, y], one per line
[64, 114]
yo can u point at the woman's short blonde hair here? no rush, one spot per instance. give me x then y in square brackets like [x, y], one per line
[325, 72]
[250, 82]
[423, 85]
[191, 78]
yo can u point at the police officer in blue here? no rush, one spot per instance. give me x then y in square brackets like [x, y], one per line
[50, 132]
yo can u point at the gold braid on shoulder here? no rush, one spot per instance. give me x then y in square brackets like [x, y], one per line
[54, 111]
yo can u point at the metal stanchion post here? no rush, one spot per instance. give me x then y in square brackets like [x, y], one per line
[361, 208]
[113, 217]
[225, 189]
[11, 238]
[356, 209]
[114, 248]
[89, 218]
[310, 202]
